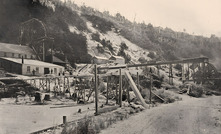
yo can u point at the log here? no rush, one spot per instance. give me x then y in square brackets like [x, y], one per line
[135, 89]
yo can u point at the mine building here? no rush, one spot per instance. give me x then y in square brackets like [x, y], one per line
[117, 59]
[99, 60]
[22, 60]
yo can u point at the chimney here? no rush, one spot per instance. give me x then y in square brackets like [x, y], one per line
[22, 60]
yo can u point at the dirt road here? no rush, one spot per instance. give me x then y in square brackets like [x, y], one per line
[190, 116]
[24, 119]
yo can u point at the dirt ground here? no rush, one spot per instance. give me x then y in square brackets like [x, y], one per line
[190, 116]
[24, 119]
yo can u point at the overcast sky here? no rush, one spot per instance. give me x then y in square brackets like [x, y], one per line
[201, 17]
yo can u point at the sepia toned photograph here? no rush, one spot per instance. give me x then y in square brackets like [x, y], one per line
[110, 67]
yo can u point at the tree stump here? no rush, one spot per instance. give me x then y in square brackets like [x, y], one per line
[38, 97]
[47, 97]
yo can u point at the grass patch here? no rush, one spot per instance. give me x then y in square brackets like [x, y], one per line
[166, 95]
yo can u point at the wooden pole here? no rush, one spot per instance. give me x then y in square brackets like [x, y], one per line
[158, 71]
[128, 94]
[107, 90]
[171, 74]
[43, 53]
[84, 82]
[151, 83]
[64, 119]
[117, 99]
[194, 73]
[188, 70]
[138, 81]
[96, 91]
[203, 81]
[120, 87]
[49, 84]
[183, 73]
[64, 86]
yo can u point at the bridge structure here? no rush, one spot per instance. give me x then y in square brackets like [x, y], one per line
[79, 88]
[199, 70]
[192, 69]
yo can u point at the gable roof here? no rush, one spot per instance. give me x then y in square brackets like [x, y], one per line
[12, 48]
[100, 58]
[31, 62]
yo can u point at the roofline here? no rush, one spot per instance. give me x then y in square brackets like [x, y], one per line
[5, 58]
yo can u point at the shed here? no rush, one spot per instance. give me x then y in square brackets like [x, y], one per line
[117, 59]
[99, 60]
[29, 66]
[16, 51]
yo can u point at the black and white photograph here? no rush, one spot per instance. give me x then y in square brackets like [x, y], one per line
[110, 66]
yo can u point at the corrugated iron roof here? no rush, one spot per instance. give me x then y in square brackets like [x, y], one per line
[12, 48]
[31, 62]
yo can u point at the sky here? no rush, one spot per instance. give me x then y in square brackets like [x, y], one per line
[199, 17]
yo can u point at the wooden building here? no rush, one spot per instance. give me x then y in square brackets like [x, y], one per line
[29, 66]
[99, 60]
[16, 51]
[117, 59]
[22, 60]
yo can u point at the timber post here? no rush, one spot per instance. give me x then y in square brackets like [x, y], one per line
[107, 89]
[96, 90]
[138, 81]
[120, 87]
[151, 86]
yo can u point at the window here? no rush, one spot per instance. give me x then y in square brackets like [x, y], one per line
[28, 69]
[19, 55]
[13, 55]
[55, 70]
[5, 54]
[37, 69]
[25, 56]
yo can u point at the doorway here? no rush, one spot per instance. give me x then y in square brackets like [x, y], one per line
[46, 71]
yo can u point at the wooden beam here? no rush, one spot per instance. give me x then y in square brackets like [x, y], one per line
[151, 86]
[135, 89]
[107, 90]
[96, 90]
[193, 60]
[138, 81]
[120, 88]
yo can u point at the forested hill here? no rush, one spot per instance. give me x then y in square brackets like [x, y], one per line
[67, 23]
[56, 18]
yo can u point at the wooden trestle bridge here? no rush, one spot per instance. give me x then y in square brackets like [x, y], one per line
[198, 70]
[193, 69]
[81, 88]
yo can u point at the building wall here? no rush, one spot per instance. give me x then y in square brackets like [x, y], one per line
[11, 66]
[99, 61]
[16, 55]
[40, 70]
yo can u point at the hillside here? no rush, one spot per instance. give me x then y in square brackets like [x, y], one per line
[82, 32]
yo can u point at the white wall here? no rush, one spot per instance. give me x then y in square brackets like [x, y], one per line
[16, 55]
[41, 70]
